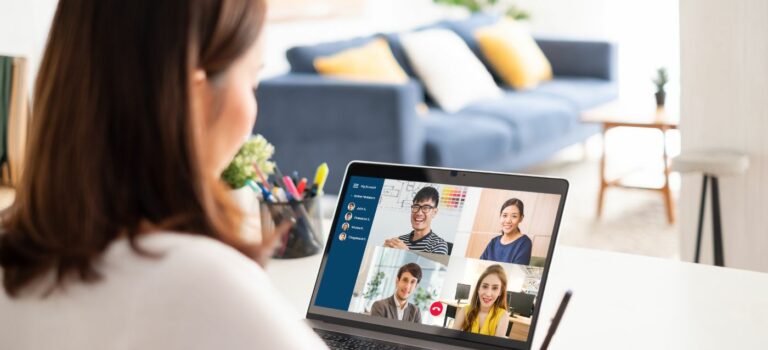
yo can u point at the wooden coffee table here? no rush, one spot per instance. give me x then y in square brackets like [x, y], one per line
[634, 115]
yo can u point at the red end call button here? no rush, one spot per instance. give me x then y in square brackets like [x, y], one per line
[436, 308]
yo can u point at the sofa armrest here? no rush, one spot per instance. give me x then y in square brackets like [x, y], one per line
[596, 59]
[312, 119]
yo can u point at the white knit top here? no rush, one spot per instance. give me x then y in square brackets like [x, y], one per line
[201, 294]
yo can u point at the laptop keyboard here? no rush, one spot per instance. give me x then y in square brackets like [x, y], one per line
[345, 341]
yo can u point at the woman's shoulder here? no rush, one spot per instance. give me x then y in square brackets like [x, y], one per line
[181, 256]
[203, 282]
[180, 245]
[501, 315]
[496, 239]
[171, 264]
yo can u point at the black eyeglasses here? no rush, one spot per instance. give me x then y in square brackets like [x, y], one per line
[424, 208]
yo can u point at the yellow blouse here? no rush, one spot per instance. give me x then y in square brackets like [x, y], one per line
[489, 325]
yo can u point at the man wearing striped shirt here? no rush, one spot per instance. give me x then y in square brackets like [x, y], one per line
[421, 238]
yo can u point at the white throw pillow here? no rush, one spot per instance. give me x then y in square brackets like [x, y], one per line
[452, 74]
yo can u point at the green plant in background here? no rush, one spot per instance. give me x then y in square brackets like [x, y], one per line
[661, 79]
[372, 290]
[509, 9]
[372, 287]
[257, 150]
[423, 298]
[517, 13]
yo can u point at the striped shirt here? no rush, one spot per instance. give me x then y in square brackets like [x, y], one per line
[431, 243]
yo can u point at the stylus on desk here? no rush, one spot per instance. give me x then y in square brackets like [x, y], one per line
[556, 320]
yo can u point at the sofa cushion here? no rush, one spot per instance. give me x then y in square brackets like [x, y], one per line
[454, 77]
[533, 117]
[302, 58]
[466, 28]
[515, 57]
[393, 39]
[371, 62]
[583, 93]
[465, 139]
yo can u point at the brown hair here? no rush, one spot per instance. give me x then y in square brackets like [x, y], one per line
[500, 303]
[512, 201]
[114, 148]
[412, 268]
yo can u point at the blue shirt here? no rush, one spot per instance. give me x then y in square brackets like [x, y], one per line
[517, 252]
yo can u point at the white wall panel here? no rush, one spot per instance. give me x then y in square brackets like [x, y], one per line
[724, 105]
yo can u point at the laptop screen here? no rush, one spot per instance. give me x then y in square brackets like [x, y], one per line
[439, 257]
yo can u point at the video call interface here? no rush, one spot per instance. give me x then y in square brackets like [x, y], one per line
[458, 257]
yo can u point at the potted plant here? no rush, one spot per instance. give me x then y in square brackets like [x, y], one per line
[473, 6]
[256, 151]
[660, 80]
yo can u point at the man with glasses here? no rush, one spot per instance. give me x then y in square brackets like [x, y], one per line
[421, 238]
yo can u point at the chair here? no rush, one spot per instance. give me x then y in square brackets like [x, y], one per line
[711, 163]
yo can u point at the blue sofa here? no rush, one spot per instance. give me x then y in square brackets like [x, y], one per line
[311, 118]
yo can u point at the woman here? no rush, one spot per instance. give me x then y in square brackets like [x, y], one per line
[487, 311]
[511, 246]
[122, 235]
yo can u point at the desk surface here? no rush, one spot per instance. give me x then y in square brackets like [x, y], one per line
[621, 301]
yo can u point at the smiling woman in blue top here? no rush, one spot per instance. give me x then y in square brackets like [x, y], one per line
[511, 246]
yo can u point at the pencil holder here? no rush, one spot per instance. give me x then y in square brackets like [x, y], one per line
[303, 238]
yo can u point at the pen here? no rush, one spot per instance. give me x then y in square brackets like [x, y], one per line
[276, 194]
[279, 177]
[282, 195]
[556, 320]
[252, 185]
[320, 176]
[261, 176]
[265, 193]
[302, 186]
[291, 188]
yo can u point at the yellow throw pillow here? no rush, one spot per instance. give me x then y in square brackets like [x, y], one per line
[371, 62]
[513, 54]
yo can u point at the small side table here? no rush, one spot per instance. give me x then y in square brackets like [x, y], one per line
[624, 114]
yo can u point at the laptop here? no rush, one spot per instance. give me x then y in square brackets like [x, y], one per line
[406, 240]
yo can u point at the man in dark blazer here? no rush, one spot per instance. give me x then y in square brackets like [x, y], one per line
[397, 306]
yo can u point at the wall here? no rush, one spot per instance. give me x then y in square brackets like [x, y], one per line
[646, 33]
[24, 28]
[645, 30]
[724, 55]
[378, 16]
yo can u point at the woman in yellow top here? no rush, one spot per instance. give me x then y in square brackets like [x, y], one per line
[487, 312]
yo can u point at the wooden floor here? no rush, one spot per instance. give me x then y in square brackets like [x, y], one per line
[633, 221]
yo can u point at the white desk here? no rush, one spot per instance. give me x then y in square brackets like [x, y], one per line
[621, 301]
